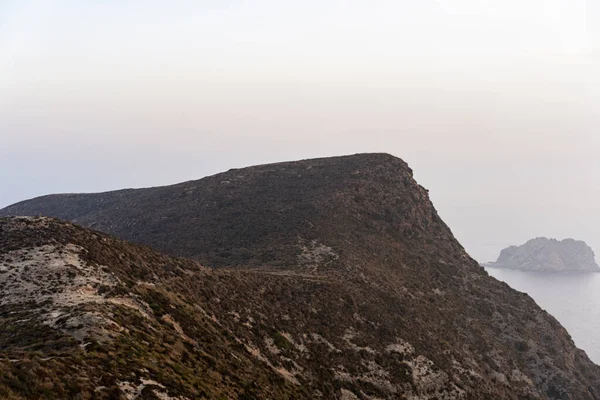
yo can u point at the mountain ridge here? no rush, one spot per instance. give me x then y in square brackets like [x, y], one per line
[308, 198]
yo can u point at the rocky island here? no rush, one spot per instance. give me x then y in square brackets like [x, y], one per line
[548, 255]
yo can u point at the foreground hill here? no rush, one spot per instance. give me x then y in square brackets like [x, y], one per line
[341, 285]
[548, 255]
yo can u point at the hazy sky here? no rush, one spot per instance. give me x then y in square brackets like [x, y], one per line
[494, 103]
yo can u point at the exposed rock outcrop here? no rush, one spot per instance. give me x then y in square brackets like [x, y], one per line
[548, 255]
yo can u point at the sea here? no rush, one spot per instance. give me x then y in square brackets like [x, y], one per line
[572, 298]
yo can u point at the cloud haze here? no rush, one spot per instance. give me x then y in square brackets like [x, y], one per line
[493, 103]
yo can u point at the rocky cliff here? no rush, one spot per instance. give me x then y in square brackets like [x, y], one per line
[548, 255]
[337, 280]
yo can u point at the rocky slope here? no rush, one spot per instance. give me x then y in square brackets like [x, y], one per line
[548, 255]
[258, 215]
[338, 280]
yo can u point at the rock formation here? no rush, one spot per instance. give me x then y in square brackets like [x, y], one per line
[548, 255]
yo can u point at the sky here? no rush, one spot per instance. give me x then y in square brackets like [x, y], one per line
[493, 103]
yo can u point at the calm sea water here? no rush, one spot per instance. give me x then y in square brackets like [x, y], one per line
[573, 299]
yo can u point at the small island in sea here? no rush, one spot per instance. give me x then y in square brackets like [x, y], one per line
[548, 255]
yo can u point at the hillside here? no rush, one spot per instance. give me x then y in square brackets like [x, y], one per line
[258, 215]
[338, 280]
[548, 255]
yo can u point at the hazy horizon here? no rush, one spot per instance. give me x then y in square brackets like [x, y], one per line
[493, 104]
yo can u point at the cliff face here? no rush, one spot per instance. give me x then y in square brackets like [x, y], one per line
[337, 279]
[548, 255]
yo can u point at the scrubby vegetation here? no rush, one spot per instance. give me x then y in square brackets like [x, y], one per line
[337, 280]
